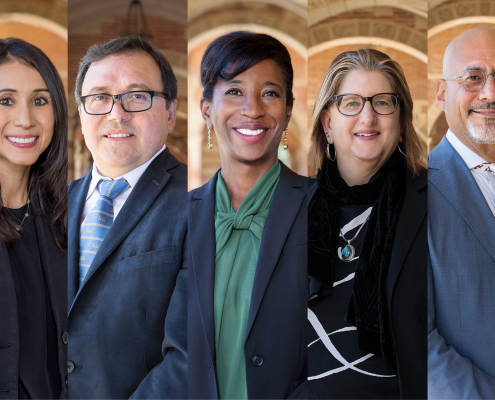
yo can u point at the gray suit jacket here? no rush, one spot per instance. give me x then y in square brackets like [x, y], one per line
[461, 281]
[128, 322]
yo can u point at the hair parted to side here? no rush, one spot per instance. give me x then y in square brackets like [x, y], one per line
[365, 60]
[128, 45]
[236, 52]
[48, 175]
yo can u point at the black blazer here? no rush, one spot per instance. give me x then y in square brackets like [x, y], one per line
[406, 289]
[127, 323]
[276, 328]
[54, 264]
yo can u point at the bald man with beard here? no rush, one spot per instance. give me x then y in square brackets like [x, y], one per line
[461, 226]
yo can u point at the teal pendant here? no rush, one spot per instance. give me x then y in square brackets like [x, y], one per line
[347, 253]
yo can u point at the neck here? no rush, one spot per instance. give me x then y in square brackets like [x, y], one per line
[357, 172]
[240, 177]
[14, 184]
[485, 151]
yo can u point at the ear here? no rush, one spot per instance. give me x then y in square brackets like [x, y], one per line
[205, 110]
[440, 96]
[327, 126]
[288, 115]
[172, 114]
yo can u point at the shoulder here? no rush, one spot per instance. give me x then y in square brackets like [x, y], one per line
[418, 183]
[203, 191]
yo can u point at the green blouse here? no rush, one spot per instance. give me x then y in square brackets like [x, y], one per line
[238, 238]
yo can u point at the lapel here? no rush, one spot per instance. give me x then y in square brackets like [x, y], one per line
[139, 201]
[78, 192]
[202, 233]
[54, 264]
[286, 204]
[455, 181]
[413, 213]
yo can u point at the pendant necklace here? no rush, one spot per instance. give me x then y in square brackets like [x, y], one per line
[25, 215]
[348, 252]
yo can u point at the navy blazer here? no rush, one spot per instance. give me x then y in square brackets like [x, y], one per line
[127, 322]
[461, 284]
[54, 264]
[276, 327]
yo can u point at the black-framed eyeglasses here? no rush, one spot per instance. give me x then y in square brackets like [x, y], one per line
[473, 80]
[350, 104]
[136, 101]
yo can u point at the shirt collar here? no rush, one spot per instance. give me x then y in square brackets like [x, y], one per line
[469, 156]
[132, 177]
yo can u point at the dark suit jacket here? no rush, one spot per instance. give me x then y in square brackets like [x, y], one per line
[276, 328]
[127, 323]
[406, 289]
[54, 264]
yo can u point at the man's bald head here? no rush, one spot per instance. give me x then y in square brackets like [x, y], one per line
[467, 42]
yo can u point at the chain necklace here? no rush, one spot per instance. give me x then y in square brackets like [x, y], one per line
[25, 215]
[348, 252]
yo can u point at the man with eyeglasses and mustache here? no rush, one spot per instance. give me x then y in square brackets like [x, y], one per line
[126, 231]
[461, 226]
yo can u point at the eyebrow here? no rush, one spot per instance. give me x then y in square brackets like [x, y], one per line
[267, 83]
[132, 86]
[15, 91]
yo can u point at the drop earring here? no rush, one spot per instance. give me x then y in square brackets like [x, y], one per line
[286, 145]
[209, 146]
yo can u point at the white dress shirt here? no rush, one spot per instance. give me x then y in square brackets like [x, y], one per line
[132, 177]
[484, 179]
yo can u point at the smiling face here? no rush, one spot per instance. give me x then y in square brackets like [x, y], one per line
[470, 115]
[26, 115]
[249, 114]
[368, 137]
[120, 141]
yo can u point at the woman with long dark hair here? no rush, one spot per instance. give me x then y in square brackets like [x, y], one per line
[33, 224]
[248, 231]
[367, 235]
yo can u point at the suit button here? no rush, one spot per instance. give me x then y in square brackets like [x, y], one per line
[66, 382]
[65, 337]
[70, 364]
[257, 360]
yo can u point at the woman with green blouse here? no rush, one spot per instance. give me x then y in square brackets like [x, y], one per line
[248, 231]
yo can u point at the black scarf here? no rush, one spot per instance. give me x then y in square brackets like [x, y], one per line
[368, 307]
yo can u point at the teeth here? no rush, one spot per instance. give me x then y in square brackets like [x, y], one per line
[250, 132]
[367, 134]
[120, 135]
[21, 140]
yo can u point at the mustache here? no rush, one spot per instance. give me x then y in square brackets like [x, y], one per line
[482, 106]
[128, 126]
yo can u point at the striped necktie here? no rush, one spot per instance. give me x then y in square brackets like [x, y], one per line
[490, 167]
[98, 223]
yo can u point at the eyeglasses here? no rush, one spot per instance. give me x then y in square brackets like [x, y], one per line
[101, 104]
[352, 104]
[472, 80]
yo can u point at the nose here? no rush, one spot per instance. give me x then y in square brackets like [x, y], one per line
[488, 91]
[367, 115]
[118, 113]
[24, 118]
[252, 106]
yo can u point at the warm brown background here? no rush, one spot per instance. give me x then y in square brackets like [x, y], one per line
[98, 21]
[446, 20]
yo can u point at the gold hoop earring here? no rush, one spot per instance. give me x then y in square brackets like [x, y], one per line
[398, 146]
[209, 146]
[328, 153]
[286, 145]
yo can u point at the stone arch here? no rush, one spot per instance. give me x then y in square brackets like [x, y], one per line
[320, 10]
[326, 32]
[458, 10]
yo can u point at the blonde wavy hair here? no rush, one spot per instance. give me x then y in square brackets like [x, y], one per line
[365, 60]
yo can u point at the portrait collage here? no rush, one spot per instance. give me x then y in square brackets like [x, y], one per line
[247, 199]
